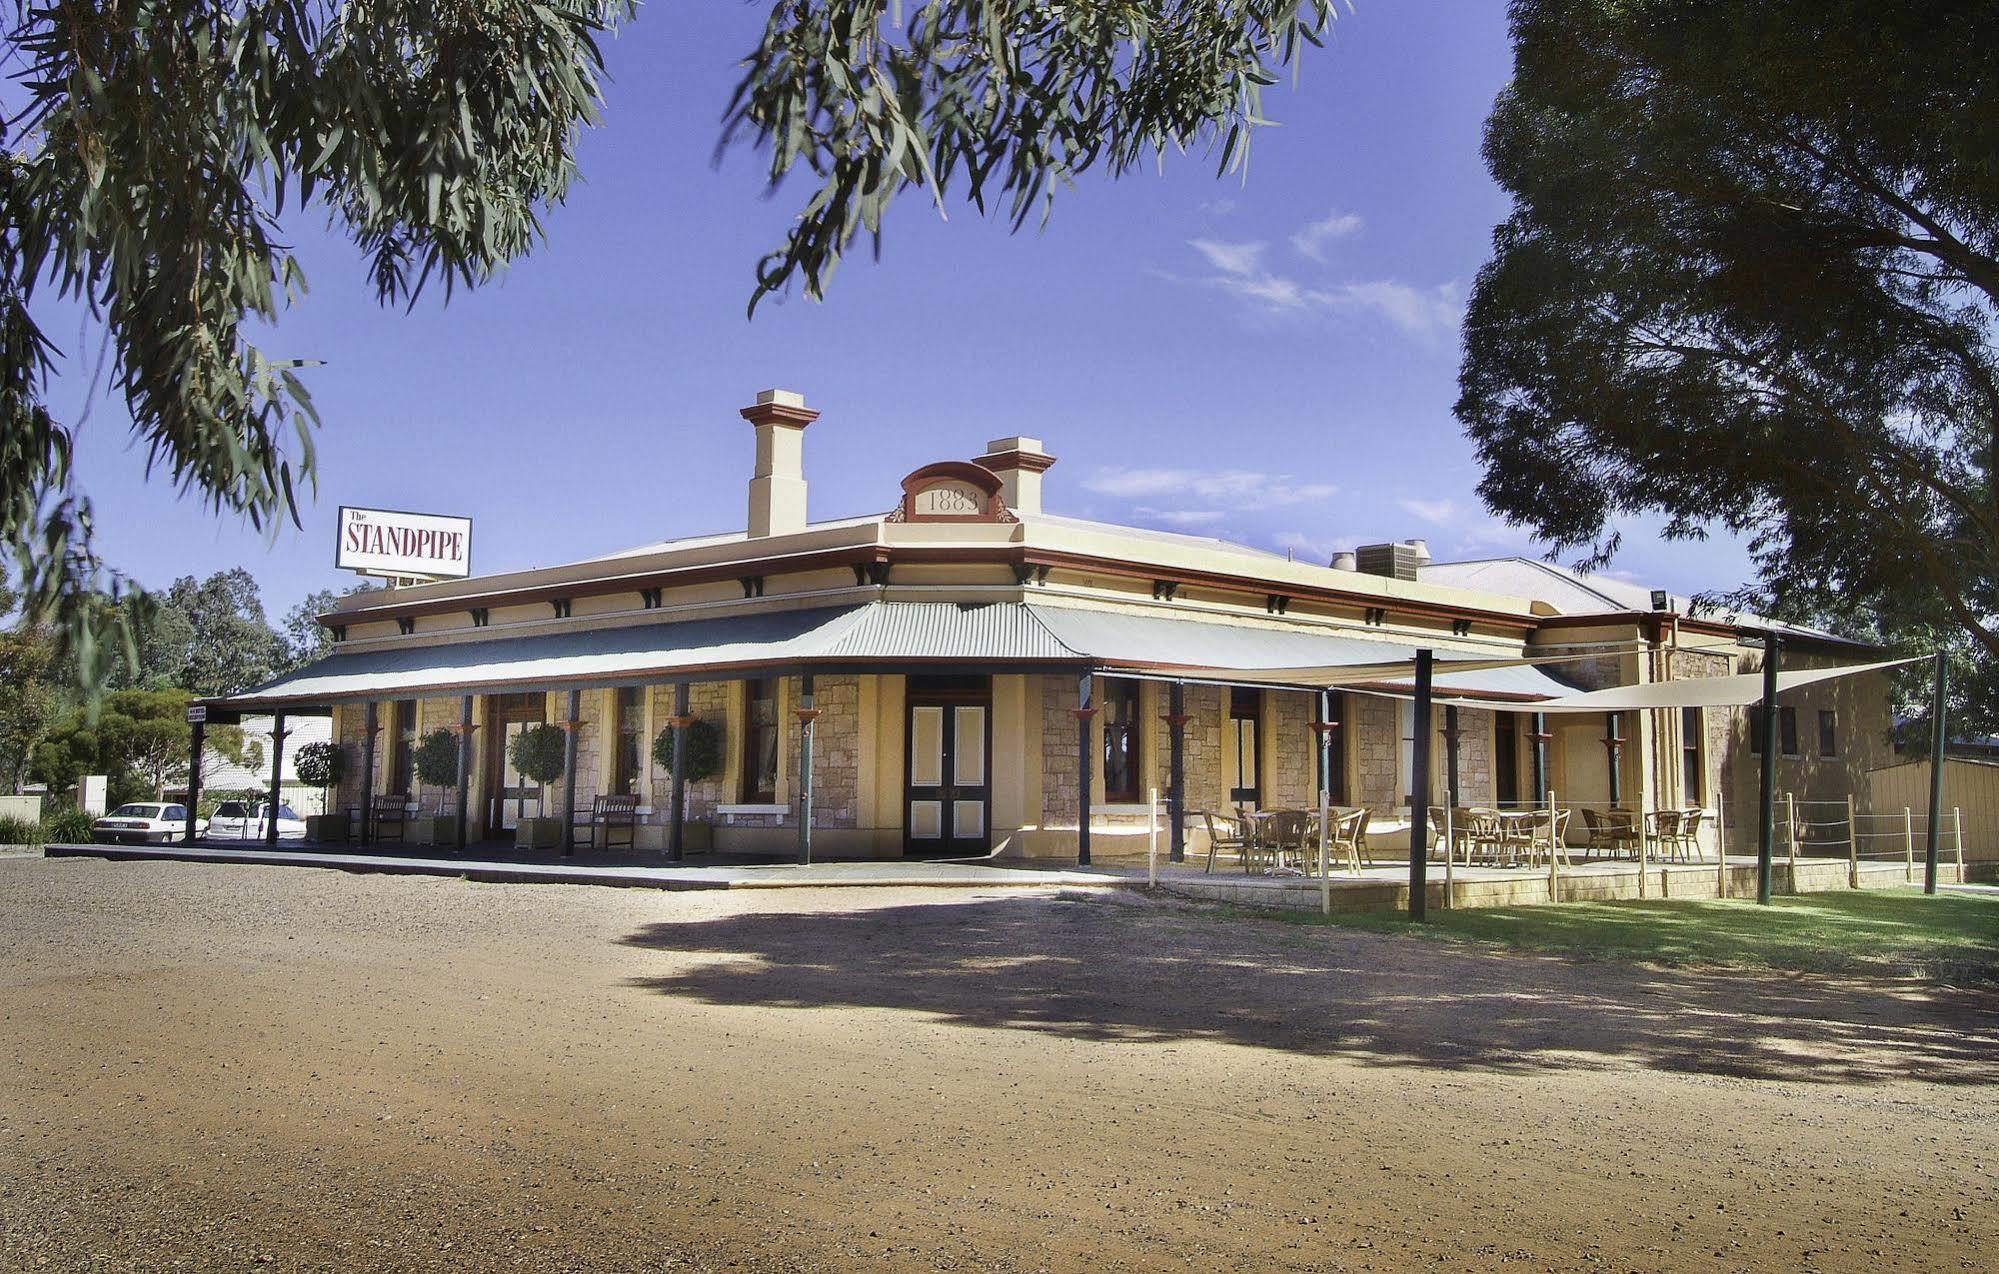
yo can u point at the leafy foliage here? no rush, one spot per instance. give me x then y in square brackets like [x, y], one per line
[68, 826]
[704, 750]
[140, 740]
[537, 753]
[20, 831]
[144, 176]
[321, 764]
[873, 97]
[1746, 283]
[30, 696]
[436, 758]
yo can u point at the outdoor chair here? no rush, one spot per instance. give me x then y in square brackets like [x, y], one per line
[1287, 838]
[1540, 832]
[610, 815]
[1686, 834]
[1225, 833]
[1612, 831]
[1483, 834]
[1348, 838]
[391, 813]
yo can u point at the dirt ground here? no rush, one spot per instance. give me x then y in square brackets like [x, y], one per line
[220, 1066]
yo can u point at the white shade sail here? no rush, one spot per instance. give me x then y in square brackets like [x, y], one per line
[1740, 690]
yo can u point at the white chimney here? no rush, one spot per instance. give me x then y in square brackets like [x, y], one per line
[1019, 461]
[777, 490]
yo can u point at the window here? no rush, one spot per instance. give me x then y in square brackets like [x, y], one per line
[175, 814]
[1118, 701]
[402, 747]
[1692, 771]
[760, 742]
[1335, 754]
[1506, 759]
[628, 740]
[1406, 758]
[1787, 731]
[1245, 713]
[1828, 732]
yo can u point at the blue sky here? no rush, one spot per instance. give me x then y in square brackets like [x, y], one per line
[1270, 359]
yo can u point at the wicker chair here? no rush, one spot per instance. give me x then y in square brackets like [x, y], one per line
[1226, 833]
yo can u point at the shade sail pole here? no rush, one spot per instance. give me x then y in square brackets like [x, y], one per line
[1766, 811]
[277, 781]
[1419, 789]
[1939, 742]
[1540, 737]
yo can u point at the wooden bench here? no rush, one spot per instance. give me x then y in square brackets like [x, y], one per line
[610, 815]
[389, 811]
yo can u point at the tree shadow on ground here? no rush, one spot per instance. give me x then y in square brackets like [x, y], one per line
[1095, 970]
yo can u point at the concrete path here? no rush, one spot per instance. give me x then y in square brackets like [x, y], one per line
[962, 875]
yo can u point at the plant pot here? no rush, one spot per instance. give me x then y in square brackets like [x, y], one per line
[433, 829]
[326, 829]
[538, 833]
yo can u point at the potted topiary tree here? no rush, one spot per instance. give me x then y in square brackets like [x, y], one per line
[537, 752]
[436, 763]
[323, 765]
[704, 760]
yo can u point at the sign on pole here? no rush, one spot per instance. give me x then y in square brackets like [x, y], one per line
[404, 545]
[197, 713]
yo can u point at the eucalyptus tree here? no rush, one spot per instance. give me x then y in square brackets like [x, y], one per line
[158, 144]
[1749, 281]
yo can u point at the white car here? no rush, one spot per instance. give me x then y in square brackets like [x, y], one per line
[145, 822]
[244, 820]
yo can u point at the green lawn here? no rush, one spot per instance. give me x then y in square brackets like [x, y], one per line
[1899, 932]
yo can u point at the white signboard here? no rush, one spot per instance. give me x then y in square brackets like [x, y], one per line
[404, 545]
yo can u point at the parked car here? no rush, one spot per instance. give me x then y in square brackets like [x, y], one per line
[145, 822]
[244, 820]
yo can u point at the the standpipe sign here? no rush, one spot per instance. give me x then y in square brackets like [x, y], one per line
[404, 545]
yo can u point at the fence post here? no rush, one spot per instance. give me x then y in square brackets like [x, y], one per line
[1644, 849]
[1720, 845]
[1791, 818]
[1152, 838]
[1450, 839]
[1908, 847]
[1852, 846]
[1957, 819]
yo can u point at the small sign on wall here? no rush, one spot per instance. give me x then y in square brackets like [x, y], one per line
[404, 545]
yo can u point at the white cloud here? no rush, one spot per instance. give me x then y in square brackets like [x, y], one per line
[1426, 314]
[1437, 511]
[1222, 486]
[1311, 241]
[1240, 259]
[1216, 207]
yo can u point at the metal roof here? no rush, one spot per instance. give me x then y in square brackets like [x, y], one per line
[995, 635]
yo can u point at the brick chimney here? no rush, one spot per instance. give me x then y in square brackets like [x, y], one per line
[777, 489]
[1019, 461]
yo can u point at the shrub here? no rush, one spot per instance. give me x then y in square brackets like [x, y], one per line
[323, 765]
[537, 752]
[704, 751]
[20, 831]
[66, 827]
[437, 759]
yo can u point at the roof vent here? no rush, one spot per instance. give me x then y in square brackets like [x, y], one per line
[1345, 561]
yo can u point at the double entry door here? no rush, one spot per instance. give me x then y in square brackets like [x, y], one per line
[947, 789]
[510, 796]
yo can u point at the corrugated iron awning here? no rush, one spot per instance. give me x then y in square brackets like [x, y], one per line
[996, 636]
